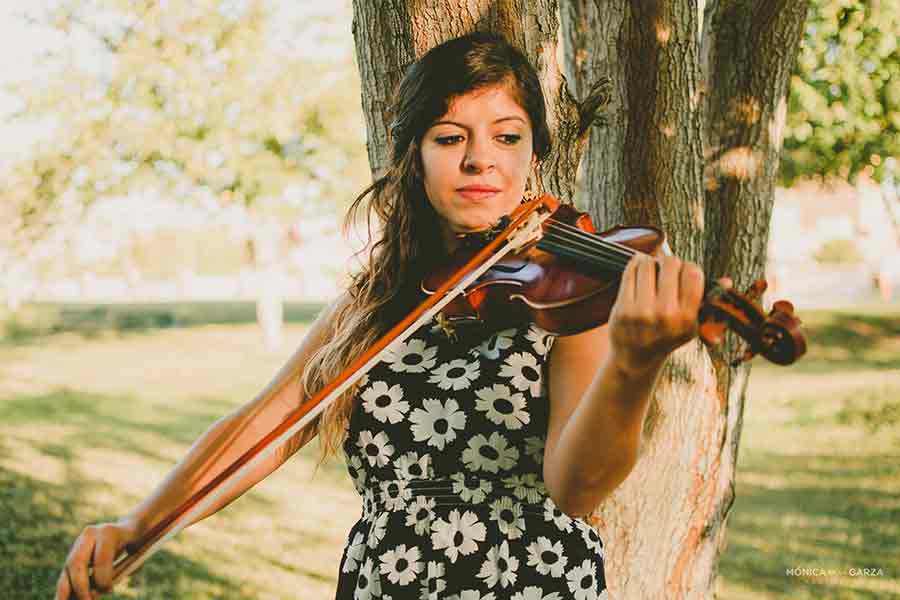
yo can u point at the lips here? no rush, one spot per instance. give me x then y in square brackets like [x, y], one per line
[477, 192]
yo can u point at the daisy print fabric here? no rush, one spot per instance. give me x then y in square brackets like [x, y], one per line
[445, 445]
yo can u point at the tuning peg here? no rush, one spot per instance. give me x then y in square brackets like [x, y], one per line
[782, 306]
[756, 289]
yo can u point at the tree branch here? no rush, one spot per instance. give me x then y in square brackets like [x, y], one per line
[590, 110]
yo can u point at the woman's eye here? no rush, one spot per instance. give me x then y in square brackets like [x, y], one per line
[510, 138]
[446, 140]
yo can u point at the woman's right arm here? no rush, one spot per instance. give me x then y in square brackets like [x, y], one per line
[226, 440]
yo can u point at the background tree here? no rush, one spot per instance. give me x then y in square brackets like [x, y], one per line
[201, 102]
[844, 111]
[844, 107]
[674, 111]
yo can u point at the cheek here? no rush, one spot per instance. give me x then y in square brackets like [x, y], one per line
[434, 172]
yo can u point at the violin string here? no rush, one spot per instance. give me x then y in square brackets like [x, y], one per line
[565, 245]
[608, 252]
[615, 247]
[587, 235]
[585, 251]
[592, 240]
[568, 251]
[595, 244]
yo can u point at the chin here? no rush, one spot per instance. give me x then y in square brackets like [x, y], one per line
[472, 226]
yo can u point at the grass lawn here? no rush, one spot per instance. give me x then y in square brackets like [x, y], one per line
[96, 404]
[818, 482]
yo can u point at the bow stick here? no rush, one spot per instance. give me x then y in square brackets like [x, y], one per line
[525, 225]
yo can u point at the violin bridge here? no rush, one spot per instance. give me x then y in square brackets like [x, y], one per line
[528, 232]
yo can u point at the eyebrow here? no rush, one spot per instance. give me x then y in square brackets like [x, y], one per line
[500, 120]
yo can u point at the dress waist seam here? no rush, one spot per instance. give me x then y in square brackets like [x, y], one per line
[404, 494]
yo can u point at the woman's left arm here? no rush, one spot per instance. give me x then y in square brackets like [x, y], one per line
[600, 381]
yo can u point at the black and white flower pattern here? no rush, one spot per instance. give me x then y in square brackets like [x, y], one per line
[523, 371]
[491, 454]
[385, 403]
[541, 341]
[420, 514]
[357, 473]
[445, 444]
[401, 565]
[553, 514]
[534, 448]
[435, 583]
[591, 538]
[368, 583]
[438, 423]
[378, 529]
[395, 494]
[508, 516]
[355, 552]
[502, 407]
[499, 567]
[472, 595]
[533, 592]
[581, 581]
[547, 557]
[411, 356]
[460, 534]
[412, 466]
[458, 374]
[494, 345]
[472, 491]
[523, 485]
[376, 448]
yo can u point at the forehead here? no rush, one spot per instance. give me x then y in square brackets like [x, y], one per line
[486, 103]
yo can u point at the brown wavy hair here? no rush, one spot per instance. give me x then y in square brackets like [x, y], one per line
[386, 288]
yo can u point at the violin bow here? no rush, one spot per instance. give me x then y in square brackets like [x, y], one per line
[524, 225]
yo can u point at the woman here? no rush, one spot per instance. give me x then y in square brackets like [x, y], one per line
[476, 460]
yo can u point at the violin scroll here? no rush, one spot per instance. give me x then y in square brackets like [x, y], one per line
[776, 336]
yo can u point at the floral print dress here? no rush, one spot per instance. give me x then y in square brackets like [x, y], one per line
[445, 444]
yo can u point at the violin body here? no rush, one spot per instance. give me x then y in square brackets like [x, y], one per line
[562, 295]
[567, 282]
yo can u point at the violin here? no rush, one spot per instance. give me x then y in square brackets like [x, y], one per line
[567, 280]
[545, 261]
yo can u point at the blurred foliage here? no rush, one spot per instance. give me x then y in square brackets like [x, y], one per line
[844, 112]
[200, 101]
[168, 252]
[838, 251]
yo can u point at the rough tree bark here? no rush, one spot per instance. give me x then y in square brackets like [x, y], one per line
[670, 113]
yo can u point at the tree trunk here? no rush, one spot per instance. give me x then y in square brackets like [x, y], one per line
[674, 112]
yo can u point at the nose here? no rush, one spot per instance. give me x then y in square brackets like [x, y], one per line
[478, 156]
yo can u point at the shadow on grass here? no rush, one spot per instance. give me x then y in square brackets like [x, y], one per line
[32, 322]
[837, 523]
[850, 340]
[119, 424]
[40, 522]
[41, 519]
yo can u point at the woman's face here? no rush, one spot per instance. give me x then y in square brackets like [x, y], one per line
[476, 159]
